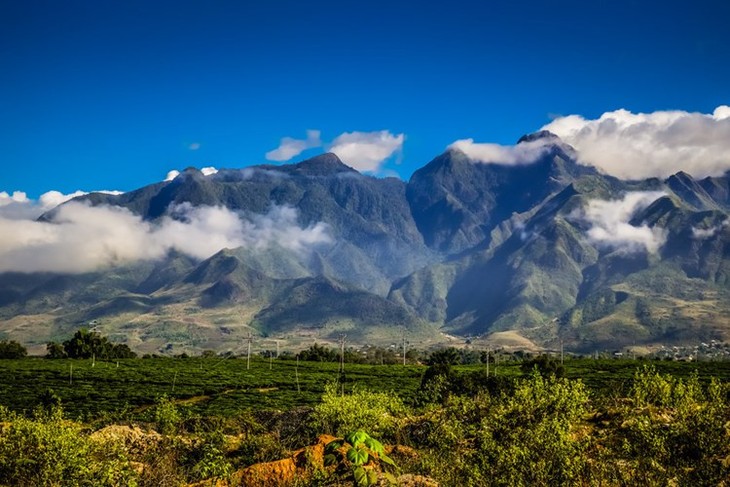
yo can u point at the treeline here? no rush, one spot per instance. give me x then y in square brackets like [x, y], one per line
[391, 355]
[10, 349]
[88, 344]
[367, 355]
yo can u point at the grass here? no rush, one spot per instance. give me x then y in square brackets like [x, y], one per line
[220, 386]
[224, 387]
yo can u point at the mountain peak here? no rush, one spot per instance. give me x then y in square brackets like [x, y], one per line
[545, 135]
[322, 165]
[681, 176]
[189, 174]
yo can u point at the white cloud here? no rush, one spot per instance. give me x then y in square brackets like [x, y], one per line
[207, 171]
[658, 144]
[52, 199]
[194, 146]
[610, 227]
[84, 238]
[19, 207]
[722, 112]
[16, 197]
[704, 233]
[509, 155]
[366, 151]
[290, 147]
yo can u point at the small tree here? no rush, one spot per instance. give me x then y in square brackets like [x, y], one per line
[86, 344]
[445, 356]
[545, 365]
[319, 353]
[12, 350]
[55, 350]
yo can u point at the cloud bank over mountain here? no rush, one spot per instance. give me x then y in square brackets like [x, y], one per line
[17, 206]
[658, 144]
[508, 155]
[290, 147]
[610, 227]
[366, 152]
[81, 238]
[207, 171]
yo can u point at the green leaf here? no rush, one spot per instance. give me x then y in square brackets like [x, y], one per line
[386, 459]
[390, 478]
[374, 445]
[358, 456]
[372, 477]
[361, 478]
[357, 437]
[330, 459]
[333, 445]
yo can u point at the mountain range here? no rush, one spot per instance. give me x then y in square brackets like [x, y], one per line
[531, 254]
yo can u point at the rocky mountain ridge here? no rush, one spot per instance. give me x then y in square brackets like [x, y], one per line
[547, 250]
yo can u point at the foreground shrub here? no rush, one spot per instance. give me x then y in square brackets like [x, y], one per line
[672, 431]
[526, 437]
[360, 458]
[49, 450]
[360, 410]
[166, 415]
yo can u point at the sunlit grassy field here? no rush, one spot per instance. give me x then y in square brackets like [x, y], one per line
[224, 387]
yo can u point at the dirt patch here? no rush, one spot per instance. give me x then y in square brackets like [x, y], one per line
[135, 440]
[512, 340]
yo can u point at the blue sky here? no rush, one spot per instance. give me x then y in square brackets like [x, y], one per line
[112, 95]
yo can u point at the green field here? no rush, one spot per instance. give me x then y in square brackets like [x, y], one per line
[225, 386]
[208, 386]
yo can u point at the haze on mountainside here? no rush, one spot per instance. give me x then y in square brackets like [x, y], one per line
[594, 237]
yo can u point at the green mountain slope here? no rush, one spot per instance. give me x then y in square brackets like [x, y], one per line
[548, 251]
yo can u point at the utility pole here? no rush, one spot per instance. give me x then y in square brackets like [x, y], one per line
[249, 339]
[488, 350]
[405, 343]
[277, 348]
[342, 363]
[561, 352]
[296, 374]
[342, 353]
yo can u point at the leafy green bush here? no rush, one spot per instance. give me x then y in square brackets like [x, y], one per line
[166, 415]
[49, 450]
[674, 431]
[527, 437]
[362, 409]
[520, 438]
[440, 381]
[360, 457]
[436, 384]
[210, 458]
[545, 365]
